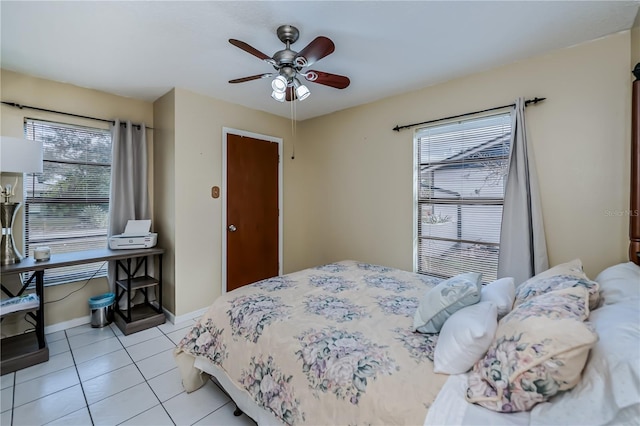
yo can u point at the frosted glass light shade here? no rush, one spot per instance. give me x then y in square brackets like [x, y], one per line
[302, 92]
[279, 84]
[278, 96]
[19, 155]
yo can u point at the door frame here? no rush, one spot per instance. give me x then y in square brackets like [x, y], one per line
[226, 131]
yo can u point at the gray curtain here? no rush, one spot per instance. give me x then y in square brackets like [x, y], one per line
[523, 248]
[129, 197]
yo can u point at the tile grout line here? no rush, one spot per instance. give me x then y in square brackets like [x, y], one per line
[75, 364]
[52, 393]
[217, 409]
[13, 396]
[122, 390]
[80, 382]
[75, 367]
[86, 403]
[147, 381]
[206, 415]
[162, 403]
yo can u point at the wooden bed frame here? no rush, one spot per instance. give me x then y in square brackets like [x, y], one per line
[634, 207]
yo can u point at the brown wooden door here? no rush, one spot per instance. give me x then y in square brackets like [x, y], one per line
[252, 210]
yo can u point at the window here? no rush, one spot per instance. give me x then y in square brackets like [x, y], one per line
[67, 205]
[460, 179]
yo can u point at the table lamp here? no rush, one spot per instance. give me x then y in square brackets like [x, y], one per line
[16, 156]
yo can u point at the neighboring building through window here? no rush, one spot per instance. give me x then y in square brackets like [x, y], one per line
[67, 205]
[460, 180]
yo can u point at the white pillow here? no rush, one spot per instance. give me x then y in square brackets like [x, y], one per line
[465, 338]
[440, 302]
[502, 292]
[619, 283]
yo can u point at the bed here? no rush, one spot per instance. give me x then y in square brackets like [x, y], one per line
[336, 344]
[325, 340]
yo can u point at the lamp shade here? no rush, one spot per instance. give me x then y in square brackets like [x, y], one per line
[19, 155]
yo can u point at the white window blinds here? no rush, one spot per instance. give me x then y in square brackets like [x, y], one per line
[67, 205]
[462, 170]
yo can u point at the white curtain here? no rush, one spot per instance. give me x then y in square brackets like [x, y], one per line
[129, 197]
[523, 248]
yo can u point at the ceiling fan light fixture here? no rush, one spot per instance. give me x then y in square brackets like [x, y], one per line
[278, 96]
[279, 84]
[302, 92]
[301, 61]
[289, 64]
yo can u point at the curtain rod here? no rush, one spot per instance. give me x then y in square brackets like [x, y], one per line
[526, 103]
[15, 105]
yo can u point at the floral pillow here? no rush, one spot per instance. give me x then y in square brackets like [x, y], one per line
[573, 268]
[533, 288]
[553, 279]
[610, 386]
[440, 302]
[539, 349]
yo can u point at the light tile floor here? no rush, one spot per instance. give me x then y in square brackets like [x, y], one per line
[98, 376]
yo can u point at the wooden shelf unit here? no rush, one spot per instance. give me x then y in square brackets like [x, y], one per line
[149, 313]
[27, 349]
[22, 351]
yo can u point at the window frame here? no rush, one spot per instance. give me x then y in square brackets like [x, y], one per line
[452, 200]
[82, 272]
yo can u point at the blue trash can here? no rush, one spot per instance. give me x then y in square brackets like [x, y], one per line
[101, 309]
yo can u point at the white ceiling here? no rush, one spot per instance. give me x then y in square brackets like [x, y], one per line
[143, 49]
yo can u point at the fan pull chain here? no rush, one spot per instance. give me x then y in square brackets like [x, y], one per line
[293, 128]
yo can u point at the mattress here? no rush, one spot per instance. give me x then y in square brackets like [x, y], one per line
[326, 345]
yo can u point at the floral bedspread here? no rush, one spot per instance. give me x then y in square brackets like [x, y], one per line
[330, 345]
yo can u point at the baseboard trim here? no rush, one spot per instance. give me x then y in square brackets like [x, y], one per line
[86, 320]
[185, 317]
[67, 324]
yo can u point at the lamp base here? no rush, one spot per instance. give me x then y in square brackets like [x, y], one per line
[8, 252]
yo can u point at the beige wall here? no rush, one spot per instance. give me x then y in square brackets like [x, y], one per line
[47, 94]
[197, 166]
[360, 171]
[349, 191]
[635, 43]
[164, 165]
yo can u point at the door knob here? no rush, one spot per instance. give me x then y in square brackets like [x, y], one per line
[232, 228]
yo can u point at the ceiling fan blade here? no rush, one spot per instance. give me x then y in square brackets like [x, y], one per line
[249, 49]
[291, 94]
[252, 77]
[316, 50]
[328, 79]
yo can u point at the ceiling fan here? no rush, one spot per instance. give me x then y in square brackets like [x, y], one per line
[289, 65]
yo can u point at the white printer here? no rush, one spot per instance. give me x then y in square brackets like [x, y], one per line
[136, 235]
